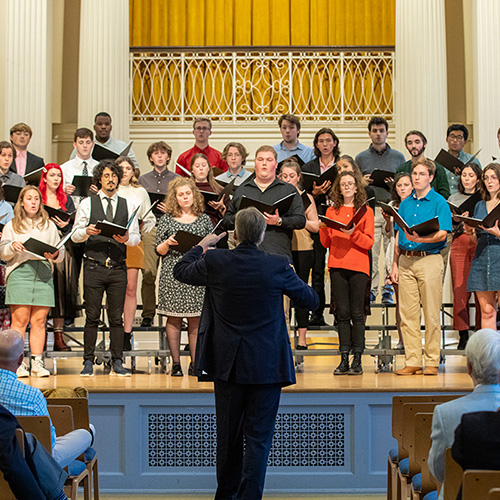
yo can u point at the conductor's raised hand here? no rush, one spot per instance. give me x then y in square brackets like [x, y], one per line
[210, 240]
[272, 220]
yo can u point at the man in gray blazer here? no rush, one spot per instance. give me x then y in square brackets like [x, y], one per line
[483, 365]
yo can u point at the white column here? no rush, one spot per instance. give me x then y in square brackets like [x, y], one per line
[421, 93]
[486, 77]
[104, 68]
[28, 76]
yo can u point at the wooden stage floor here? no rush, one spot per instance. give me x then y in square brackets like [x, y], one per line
[316, 377]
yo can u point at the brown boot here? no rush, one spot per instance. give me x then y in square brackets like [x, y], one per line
[59, 343]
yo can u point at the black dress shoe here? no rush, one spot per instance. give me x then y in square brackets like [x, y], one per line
[146, 322]
[301, 347]
[317, 321]
[176, 371]
[191, 370]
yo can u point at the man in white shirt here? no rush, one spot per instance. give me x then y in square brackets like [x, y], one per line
[102, 129]
[105, 269]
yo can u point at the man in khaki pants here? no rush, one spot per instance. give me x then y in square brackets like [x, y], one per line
[418, 269]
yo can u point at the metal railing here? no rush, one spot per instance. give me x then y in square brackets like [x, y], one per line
[252, 84]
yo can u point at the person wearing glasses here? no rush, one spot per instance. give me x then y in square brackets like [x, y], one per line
[202, 130]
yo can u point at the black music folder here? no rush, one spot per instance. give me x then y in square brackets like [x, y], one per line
[82, 185]
[38, 247]
[57, 212]
[155, 199]
[109, 229]
[308, 179]
[186, 241]
[102, 153]
[334, 224]
[306, 200]
[467, 206]
[33, 178]
[488, 221]
[379, 176]
[295, 158]
[11, 193]
[452, 163]
[282, 205]
[425, 228]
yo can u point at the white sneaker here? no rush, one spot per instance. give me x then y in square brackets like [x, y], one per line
[22, 371]
[38, 369]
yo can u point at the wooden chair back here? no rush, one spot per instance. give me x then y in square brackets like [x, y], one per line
[494, 494]
[40, 427]
[423, 427]
[62, 418]
[452, 475]
[477, 484]
[397, 414]
[80, 407]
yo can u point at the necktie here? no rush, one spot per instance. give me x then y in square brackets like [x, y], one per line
[109, 210]
[85, 169]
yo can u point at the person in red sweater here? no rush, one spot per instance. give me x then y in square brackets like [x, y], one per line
[349, 266]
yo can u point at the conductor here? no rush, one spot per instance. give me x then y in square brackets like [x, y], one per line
[244, 345]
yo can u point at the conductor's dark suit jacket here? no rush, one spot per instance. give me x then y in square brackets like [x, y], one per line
[33, 162]
[243, 336]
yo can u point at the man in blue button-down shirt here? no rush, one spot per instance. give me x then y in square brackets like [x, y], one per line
[418, 268]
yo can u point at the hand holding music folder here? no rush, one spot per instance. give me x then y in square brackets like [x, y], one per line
[334, 224]
[488, 221]
[309, 179]
[57, 212]
[156, 198]
[185, 241]
[102, 153]
[40, 248]
[423, 229]
[110, 229]
[467, 206]
[33, 178]
[82, 185]
[452, 163]
[282, 205]
[379, 178]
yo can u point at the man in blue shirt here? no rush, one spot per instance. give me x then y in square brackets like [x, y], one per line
[418, 269]
[290, 145]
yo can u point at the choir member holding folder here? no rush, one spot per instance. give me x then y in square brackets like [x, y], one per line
[418, 269]
[60, 207]
[349, 265]
[30, 288]
[178, 300]
[131, 190]
[302, 243]
[462, 250]
[484, 276]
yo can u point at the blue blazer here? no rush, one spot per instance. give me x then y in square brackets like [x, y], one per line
[243, 336]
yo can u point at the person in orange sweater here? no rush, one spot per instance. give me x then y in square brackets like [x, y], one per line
[349, 266]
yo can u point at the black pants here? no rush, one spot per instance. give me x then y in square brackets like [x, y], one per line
[303, 263]
[244, 410]
[318, 272]
[348, 292]
[98, 279]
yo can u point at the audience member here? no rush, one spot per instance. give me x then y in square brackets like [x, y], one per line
[202, 130]
[379, 156]
[131, 190]
[30, 287]
[65, 276]
[326, 149]
[461, 254]
[102, 129]
[178, 300]
[302, 244]
[456, 138]
[484, 275]
[104, 267]
[266, 187]
[418, 270]
[483, 365]
[349, 266]
[156, 181]
[416, 142]
[290, 145]
[235, 155]
[25, 162]
[24, 400]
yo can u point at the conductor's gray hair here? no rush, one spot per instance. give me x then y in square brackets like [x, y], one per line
[11, 346]
[483, 353]
[250, 226]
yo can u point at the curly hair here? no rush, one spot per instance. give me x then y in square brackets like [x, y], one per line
[99, 169]
[484, 191]
[20, 216]
[359, 196]
[171, 202]
[394, 194]
[61, 196]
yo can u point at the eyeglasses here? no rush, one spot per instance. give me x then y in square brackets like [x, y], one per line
[347, 184]
[202, 129]
[456, 137]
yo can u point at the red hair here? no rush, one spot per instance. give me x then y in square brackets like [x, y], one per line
[60, 194]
